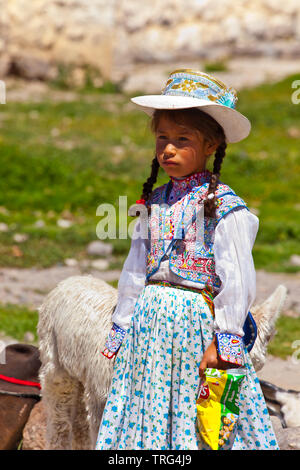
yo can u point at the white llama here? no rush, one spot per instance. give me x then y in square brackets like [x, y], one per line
[74, 321]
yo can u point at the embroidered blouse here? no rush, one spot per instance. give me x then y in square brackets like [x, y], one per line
[234, 239]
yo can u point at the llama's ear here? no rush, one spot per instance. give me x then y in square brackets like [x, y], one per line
[271, 308]
[265, 316]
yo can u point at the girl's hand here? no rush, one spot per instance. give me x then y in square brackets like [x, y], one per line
[211, 359]
[115, 356]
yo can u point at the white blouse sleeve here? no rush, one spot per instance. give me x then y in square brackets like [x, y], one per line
[132, 280]
[234, 239]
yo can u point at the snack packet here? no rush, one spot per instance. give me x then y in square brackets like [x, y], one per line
[218, 406]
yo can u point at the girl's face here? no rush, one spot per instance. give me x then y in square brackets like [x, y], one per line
[181, 151]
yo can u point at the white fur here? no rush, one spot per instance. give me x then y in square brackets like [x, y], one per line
[74, 321]
[290, 407]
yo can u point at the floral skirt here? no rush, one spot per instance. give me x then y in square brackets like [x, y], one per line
[152, 399]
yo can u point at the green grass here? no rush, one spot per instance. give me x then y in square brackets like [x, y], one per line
[90, 76]
[287, 332]
[16, 320]
[63, 159]
[218, 66]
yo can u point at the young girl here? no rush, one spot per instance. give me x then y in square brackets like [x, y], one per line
[183, 299]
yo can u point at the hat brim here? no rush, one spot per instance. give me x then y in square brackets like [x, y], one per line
[235, 125]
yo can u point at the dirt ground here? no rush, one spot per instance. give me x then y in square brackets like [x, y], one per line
[283, 373]
[29, 286]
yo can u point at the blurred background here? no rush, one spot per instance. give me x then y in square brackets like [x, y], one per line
[70, 139]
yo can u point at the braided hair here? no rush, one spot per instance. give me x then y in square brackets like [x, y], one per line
[148, 185]
[211, 129]
[210, 203]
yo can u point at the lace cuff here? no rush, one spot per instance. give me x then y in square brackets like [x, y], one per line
[231, 348]
[114, 341]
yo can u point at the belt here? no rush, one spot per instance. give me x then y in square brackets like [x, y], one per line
[206, 293]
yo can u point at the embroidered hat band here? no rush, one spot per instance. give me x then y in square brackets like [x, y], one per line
[186, 88]
[199, 85]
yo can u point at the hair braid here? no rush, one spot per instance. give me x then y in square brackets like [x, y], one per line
[210, 204]
[148, 185]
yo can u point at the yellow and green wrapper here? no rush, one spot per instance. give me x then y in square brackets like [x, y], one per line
[218, 406]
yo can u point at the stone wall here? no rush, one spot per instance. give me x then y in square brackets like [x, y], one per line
[208, 29]
[36, 35]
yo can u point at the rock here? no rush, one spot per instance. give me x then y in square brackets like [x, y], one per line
[39, 223]
[71, 262]
[28, 337]
[77, 77]
[16, 251]
[100, 264]
[5, 65]
[3, 227]
[34, 433]
[63, 223]
[32, 68]
[55, 132]
[295, 260]
[66, 214]
[288, 438]
[46, 40]
[75, 33]
[98, 248]
[3, 209]
[294, 132]
[20, 237]
[118, 150]
[142, 80]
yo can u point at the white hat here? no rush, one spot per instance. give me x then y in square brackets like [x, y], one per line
[192, 89]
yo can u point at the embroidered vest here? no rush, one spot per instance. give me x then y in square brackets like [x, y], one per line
[173, 233]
